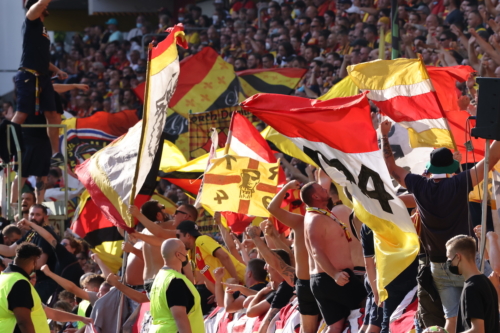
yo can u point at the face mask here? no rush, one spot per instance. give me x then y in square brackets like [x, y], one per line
[453, 269]
[297, 12]
[185, 262]
[138, 25]
[86, 38]
[275, 31]
[269, 11]
[268, 46]
[215, 18]
[58, 48]
[160, 26]
[181, 18]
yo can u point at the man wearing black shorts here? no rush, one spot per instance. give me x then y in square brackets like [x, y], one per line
[35, 94]
[333, 283]
[308, 308]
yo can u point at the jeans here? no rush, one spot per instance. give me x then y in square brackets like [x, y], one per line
[449, 287]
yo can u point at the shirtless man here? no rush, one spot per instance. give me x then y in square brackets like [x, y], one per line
[333, 282]
[308, 308]
[156, 232]
[342, 212]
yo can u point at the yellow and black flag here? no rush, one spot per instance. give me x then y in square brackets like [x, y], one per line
[276, 80]
[206, 83]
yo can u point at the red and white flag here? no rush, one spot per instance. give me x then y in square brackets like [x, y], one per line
[338, 135]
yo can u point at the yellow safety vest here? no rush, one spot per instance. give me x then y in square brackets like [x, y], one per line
[163, 320]
[7, 318]
[82, 310]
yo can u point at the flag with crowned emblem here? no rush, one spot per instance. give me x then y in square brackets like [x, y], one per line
[240, 184]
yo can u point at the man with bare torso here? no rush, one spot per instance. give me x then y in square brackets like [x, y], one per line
[156, 232]
[333, 283]
[308, 308]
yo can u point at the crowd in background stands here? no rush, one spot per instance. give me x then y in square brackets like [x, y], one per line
[321, 35]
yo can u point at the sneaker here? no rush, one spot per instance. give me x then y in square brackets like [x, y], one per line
[57, 160]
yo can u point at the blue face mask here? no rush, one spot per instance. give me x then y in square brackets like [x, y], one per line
[86, 38]
[58, 48]
[297, 12]
[138, 25]
[275, 31]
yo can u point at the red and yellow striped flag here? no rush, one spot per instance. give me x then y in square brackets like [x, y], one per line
[402, 90]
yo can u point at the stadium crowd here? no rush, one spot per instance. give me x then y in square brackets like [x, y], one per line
[327, 266]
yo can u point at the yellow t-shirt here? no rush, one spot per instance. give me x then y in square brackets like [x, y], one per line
[205, 261]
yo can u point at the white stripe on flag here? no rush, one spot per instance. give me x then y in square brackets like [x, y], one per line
[408, 90]
[242, 149]
[425, 124]
[354, 162]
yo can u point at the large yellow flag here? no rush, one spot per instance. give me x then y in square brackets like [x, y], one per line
[240, 184]
[345, 88]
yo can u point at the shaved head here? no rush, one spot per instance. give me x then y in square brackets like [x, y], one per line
[170, 247]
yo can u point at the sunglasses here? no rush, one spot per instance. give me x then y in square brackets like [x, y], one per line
[314, 26]
[443, 39]
[323, 72]
[302, 23]
[179, 212]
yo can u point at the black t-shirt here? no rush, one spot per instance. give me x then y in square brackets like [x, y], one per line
[257, 287]
[443, 207]
[455, 16]
[179, 294]
[368, 243]
[20, 294]
[281, 297]
[479, 300]
[67, 265]
[36, 46]
[34, 238]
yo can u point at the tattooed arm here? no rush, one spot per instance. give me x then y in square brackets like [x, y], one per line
[396, 172]
[267, 319]
[271, 258]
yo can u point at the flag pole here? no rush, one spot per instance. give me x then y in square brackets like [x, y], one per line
[229, 135]
[144, 123]
[395, 53]
[133, 190]
[484, 204]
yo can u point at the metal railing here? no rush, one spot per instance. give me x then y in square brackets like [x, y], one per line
[63, 213]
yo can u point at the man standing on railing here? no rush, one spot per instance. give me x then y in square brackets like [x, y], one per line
[35, 94]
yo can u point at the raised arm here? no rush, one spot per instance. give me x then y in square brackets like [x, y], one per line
[8, 251]
[37, 9]
[133, 294]
[151, 226]
[62, 88]
[271, 258]
[291, 220]
[219, 289]
[25, 224]
[228, 240]
[104, 268]
[396, 172]
[66, 284]
[477, 172]
[63, 316]
[226, 261]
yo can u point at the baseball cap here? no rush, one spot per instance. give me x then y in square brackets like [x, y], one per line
[424, 9]
[189, 227]
[112, 21]
[442, 162]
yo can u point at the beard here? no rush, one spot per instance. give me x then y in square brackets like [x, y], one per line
[40, 223]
